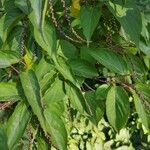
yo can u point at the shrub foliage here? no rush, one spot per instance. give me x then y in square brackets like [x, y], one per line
[62, 61]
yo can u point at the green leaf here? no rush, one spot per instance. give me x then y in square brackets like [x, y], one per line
[36, 13]
[55, 93]
[10, 19]
[47, 81]
[8, 58]
[42, 68]
[117, 107]
[102, 91]
[144, 90]
[65, 70]
[85, 55]
[8, 91]
[13, 40]
[145, 47]
[75, 96]
[129, 17]
[55, 126]
[3, 140]
[89, 17]
[137, 65]
[32, 92]
[46, 38]
[83, 68]
[49, 120]
[110, 60]
[22, 5]
[17, 124]
[42, 143]
[96, 107]
[53, 98]
[141, 111]
[68, 50]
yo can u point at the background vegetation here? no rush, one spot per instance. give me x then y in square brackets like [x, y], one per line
[74, 74]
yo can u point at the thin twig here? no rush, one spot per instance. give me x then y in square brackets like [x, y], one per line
[15, 69]
[5, 105]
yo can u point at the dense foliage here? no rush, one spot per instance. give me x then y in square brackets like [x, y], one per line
[74, 74]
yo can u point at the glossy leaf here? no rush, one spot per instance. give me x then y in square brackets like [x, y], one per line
[8, 58]
[17, 124]
[117, 107]
[110, 60]
[8, 91]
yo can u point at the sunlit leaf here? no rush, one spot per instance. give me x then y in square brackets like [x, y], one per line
[117, 107]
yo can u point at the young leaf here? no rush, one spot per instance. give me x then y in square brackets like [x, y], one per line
[83, 68]
[8, 91]
[117, 107]
[111, 60]
[89, 17]
[75, 8]
[8, 58]
[3, 140]
[17, 124]
[129, 17]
